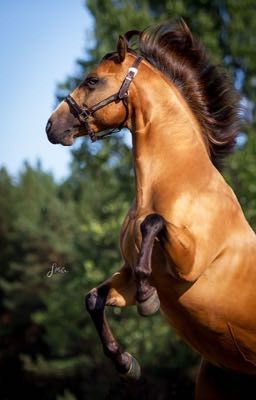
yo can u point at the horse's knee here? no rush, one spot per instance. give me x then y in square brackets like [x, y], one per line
[91, 301]
[153, 223]
[94, 302]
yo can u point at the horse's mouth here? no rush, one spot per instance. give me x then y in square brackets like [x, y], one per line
[74, 133]
[68, 137]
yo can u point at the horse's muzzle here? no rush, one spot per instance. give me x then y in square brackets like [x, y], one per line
[57, 134]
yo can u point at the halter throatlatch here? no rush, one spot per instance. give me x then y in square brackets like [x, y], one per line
[83, 113]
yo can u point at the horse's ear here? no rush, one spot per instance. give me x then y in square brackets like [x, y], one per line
[121, 48]
[186, 30]
[184, 26]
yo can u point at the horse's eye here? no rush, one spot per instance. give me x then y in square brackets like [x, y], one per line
[92, 81]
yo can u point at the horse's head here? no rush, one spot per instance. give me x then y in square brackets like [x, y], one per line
[99, 103]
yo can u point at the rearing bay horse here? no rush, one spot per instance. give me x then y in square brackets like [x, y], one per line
[186, 245]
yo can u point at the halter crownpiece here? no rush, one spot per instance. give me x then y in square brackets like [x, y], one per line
[83, 113]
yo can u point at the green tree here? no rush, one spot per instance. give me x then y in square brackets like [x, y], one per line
[241, 174]
[36, 227]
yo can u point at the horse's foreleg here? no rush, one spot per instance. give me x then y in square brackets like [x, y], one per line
[146, 295]
[118, 291]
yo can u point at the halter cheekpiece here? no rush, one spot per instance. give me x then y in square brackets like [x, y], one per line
[83, 113]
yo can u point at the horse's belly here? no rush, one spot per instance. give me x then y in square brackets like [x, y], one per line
[203, 327]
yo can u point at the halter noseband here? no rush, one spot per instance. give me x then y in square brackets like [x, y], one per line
[83, 113]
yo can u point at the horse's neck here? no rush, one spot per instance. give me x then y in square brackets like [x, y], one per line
[168, 148]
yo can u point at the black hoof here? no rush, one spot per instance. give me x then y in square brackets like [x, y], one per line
[149, 306]
[134, 371]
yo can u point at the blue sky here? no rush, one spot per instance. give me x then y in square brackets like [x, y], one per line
[40, 41]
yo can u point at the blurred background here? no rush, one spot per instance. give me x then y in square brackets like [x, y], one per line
[65, 206]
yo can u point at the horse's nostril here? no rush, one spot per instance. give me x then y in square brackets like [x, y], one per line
[48, 126]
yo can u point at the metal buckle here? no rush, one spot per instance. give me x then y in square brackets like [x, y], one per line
[84, 114]
[133, 71]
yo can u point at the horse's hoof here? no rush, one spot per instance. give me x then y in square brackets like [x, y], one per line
[149, 306]
[134, 371]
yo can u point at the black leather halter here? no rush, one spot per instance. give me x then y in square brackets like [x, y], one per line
[83, 113]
